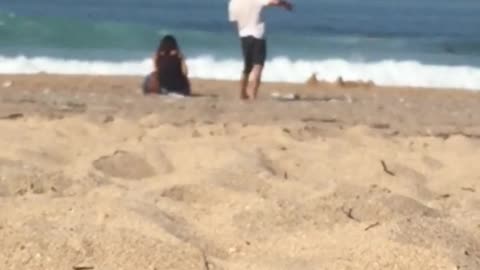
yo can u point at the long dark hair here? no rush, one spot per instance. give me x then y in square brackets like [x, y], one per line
[167, 49]
[167, 45]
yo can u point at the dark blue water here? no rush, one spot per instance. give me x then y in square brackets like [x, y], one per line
[433, 43]
[431, 31]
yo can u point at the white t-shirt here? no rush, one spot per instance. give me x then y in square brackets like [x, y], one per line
[248, 16]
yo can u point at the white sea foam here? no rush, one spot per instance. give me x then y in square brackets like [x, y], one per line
[388, 72]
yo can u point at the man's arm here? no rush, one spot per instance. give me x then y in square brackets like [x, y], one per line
[232, 15]
[281, 3]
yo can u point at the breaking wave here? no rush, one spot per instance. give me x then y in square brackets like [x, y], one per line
[280, 69]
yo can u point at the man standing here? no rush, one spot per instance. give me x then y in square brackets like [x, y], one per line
[247, 14]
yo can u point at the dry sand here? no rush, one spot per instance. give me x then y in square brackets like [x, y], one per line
[95, 176]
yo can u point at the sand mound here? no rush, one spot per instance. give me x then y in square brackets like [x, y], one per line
[124, 165]
[18, 178]
[456, 243]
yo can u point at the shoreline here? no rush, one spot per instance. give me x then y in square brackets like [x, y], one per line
[308, 84]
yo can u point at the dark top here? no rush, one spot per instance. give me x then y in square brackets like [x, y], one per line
[170, 74]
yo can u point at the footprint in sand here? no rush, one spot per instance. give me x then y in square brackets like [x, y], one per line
[176, 225]
[398, 205]
[124, 165]
[192, 194]
[414, 180]
[18, 178]
[459, 245]
[380, 205]
[432, 163]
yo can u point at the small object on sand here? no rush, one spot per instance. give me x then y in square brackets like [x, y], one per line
[385, 168]
[7, 84]
[312, 80]
[83, 267]
[291, 96]
[372, 226]
[319, 120]
[275, 95]
[285, 97]
[349, 214]
[380, 126]
[444, 196]
[206, 262]
[175, 95]
[354, 84]
[286, 130]
[12, 116]
[469, 189]
[108, 119]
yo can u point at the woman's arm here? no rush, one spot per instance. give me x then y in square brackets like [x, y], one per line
[155, 60]
[152, 84]
[184, 65]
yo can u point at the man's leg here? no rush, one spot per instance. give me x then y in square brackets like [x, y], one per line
[243, 86]
[247, 50]
[255, 81]
[259, 54]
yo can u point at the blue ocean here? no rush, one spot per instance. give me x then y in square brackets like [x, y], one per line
[426, 43]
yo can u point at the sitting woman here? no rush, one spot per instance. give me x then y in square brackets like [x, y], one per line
[170, 74]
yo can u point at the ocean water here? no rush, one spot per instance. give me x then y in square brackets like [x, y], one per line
[429, 43]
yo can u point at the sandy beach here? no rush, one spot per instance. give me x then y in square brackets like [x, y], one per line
[96, 176]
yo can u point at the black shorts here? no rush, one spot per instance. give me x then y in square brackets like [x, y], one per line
[254, 52]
